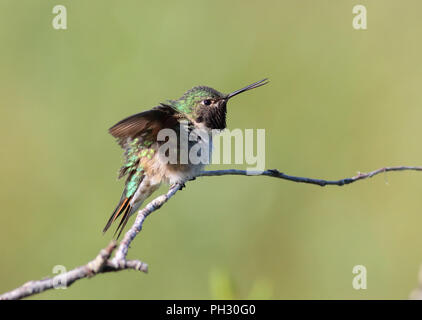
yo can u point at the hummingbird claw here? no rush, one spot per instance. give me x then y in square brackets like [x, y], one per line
[181, 184]
[274, 172]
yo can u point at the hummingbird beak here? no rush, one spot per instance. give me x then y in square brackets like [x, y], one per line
[247, 88]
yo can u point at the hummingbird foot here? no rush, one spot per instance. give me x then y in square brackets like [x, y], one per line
[274, 172]
[181, 184]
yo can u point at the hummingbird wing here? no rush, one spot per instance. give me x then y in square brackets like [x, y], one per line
[135, 134]
[146, 124]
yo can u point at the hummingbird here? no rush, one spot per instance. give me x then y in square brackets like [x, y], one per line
[202, 108]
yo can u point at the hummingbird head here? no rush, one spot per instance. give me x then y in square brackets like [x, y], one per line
[208, 106]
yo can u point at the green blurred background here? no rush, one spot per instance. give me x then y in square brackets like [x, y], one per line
[339, 101]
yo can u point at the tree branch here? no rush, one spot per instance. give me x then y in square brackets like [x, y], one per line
[322, 183]
[103, 263]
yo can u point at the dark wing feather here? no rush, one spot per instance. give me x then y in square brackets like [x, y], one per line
[146, 124]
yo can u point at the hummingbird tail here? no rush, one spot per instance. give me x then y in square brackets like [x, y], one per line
[123, 206]
[123, 221]
[129, 204]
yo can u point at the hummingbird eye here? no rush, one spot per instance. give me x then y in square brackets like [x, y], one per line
[206, 102]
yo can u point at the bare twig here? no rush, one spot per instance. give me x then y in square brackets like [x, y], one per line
[100, 264]
[103, 263]
[277, 174]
